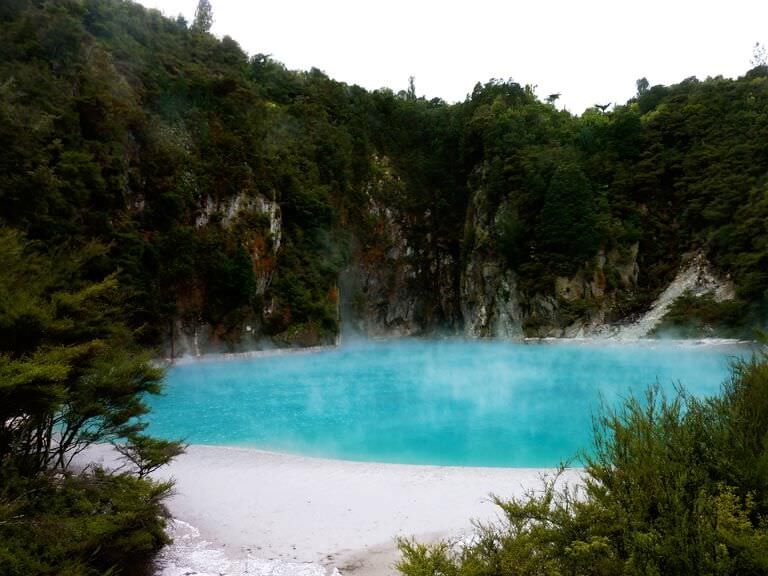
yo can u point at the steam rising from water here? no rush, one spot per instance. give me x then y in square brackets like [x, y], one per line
[445, 402]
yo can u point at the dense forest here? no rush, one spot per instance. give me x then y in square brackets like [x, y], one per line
[159, 186]
[233, 194]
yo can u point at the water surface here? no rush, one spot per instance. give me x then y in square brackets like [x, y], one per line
[426, 402]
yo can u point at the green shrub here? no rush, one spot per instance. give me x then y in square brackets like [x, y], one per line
[672, 486]
[87, 524]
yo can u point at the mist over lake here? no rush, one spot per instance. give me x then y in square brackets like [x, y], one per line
[427, 402]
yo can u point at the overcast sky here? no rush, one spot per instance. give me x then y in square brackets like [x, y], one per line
[590, 51]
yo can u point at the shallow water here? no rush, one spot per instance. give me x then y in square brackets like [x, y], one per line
[426, 402]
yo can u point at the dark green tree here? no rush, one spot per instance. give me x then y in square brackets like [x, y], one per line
[759, 55]
[72, 375]
[568, 219]
[147, 454]
[71, 372]
[203, 16]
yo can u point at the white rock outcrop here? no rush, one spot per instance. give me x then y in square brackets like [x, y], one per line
[696, 277]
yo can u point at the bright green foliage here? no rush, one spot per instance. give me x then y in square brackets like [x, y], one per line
[68, 373]
[85, 525]
[672, 486]
[147, 454]
[742, 444]
[71, 375]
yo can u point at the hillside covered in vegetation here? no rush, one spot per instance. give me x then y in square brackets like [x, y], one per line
[161, 191]
[242, 202]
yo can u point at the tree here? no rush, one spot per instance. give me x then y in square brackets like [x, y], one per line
[510, 232]
[147, 454]
[203, 17]
[71, 375]
[70, 371]
[759, 55]
[568, 218]
[411, 94]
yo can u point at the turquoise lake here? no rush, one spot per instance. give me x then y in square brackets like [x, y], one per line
[426, 402]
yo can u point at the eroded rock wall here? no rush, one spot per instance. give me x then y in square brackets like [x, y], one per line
[401, 286]
[256, 223]
[401, 281]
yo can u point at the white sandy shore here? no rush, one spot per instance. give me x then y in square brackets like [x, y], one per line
[244, 511]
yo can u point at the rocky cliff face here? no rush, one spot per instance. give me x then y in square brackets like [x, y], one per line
[383, 276]
[399, 285]
[493, 305]
[490, 301]
[256, 223]
[584, 304]
[401, 281]
[260, 230]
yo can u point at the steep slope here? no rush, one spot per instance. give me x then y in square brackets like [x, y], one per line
[236, 198]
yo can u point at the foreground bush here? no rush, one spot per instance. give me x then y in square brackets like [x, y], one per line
[672, 486]
[71, 375]
[80, 525]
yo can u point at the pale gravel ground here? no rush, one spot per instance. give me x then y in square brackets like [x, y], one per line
[244, 511]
